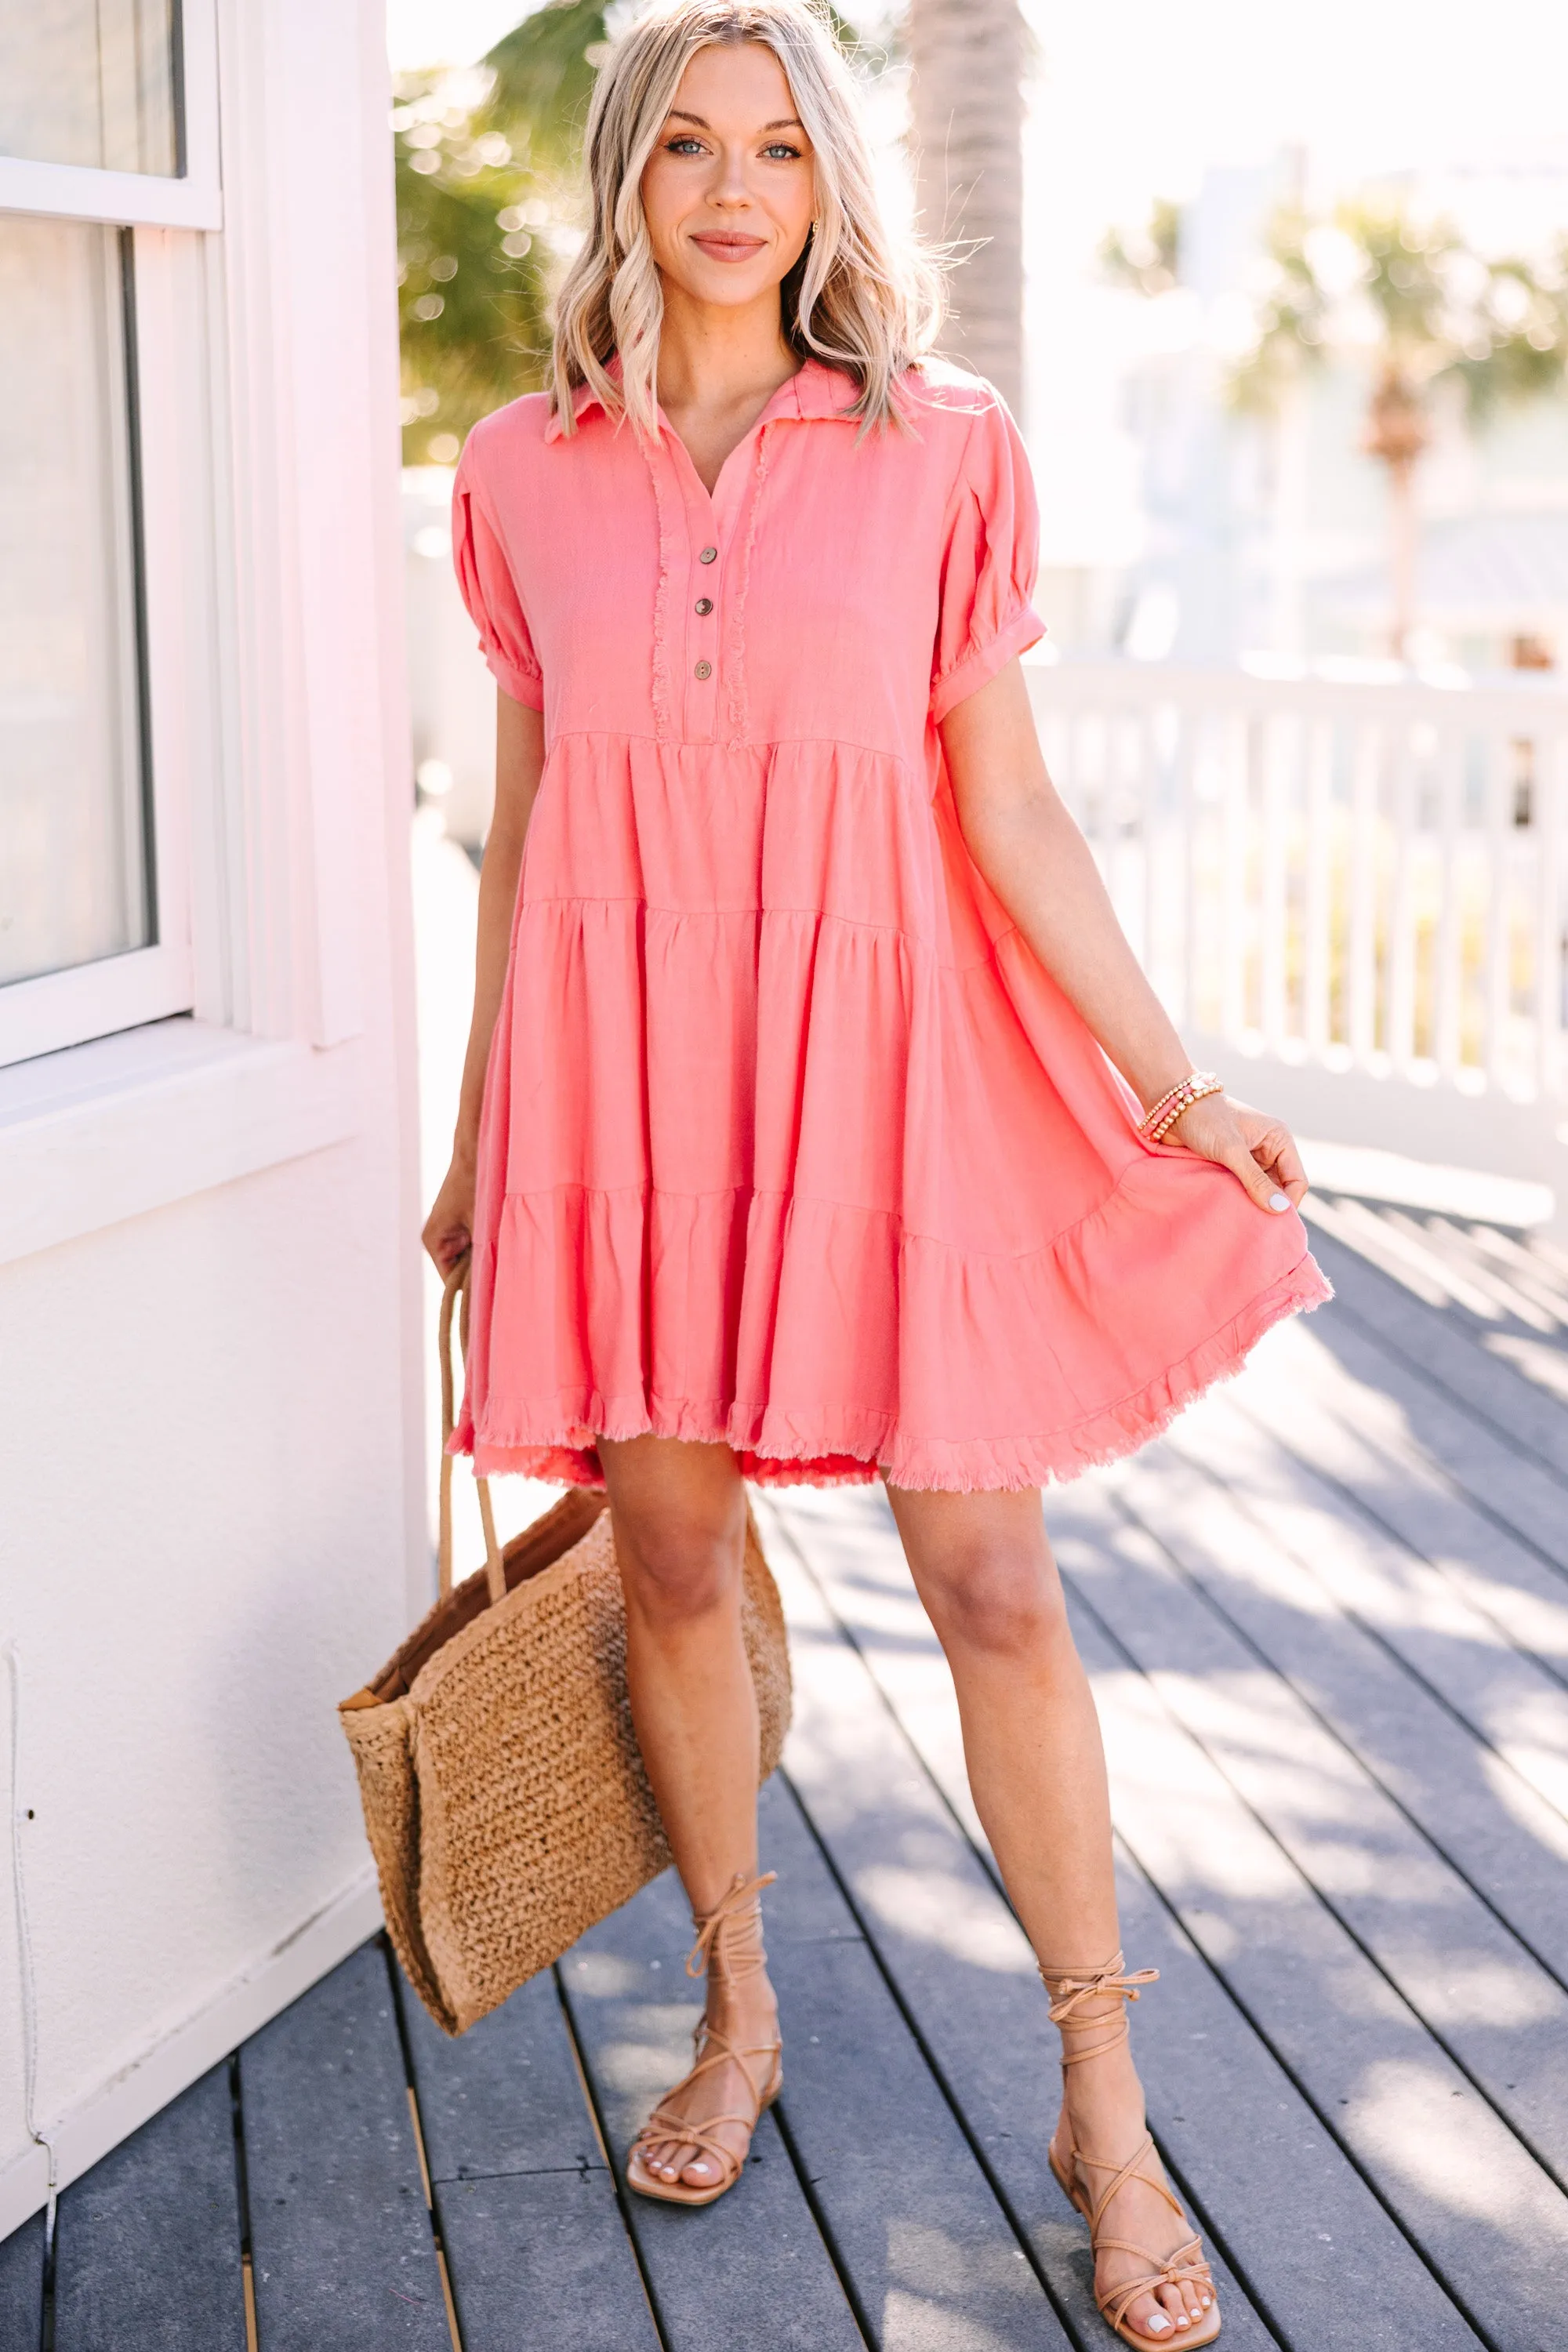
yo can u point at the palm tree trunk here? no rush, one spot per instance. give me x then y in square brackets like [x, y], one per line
[1401, 555]
[968, 117]
[1397, 431]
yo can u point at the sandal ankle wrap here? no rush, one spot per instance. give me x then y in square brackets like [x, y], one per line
[1070, 1989]
[729, 1951]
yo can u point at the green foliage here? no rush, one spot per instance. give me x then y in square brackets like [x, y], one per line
[1413, 273]
[1426, 309]
[543, 73]
[1292, 316]
[483, 165]
[1148, 259]
[1517, 348]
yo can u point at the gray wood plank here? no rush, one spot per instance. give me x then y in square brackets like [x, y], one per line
[537, 2253]
[1523, 1255]
[1447, 1346]
[1490, 2003]
[1489, 1271]
[1442, 1448]
[751, 2269]
[1232, 2124]
[1492, 2225]
[539, 2262]
[1446, 1621]
[1343, 1413]
[1531, 1273]
[147, 2244]
[1326, 1596]
[506, 2096]
[936, 2258]
[22, 2287]
[341, 2247]
[955, 1955]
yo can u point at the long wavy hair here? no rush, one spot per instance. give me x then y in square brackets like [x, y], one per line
[857, 298]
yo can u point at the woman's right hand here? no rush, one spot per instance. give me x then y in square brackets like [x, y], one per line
[449, 1227]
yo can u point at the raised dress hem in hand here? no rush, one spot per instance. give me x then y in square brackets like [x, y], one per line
[839, 1447]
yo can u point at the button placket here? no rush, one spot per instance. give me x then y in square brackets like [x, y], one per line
[711, 527]
[702, 688]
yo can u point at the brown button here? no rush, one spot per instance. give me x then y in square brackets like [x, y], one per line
[703, 670]
[706, 555]
[705, 605]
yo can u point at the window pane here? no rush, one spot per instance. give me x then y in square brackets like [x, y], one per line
[73, 884]
[91, 81]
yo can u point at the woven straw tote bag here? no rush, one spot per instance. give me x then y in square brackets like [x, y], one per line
[506, 1801]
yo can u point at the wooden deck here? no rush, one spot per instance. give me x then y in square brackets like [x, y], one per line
[1328, 1624]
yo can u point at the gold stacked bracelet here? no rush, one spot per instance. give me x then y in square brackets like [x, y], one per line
[1156, 1124]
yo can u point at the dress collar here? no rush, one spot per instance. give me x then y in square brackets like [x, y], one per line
[817, 389]
[814, 390]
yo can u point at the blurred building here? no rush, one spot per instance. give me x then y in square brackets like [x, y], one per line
[1175, 528]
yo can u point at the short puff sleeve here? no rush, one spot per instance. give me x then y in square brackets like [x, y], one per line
[491, 595]
[989, 562]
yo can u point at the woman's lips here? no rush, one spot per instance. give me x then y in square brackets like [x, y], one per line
[730, 248]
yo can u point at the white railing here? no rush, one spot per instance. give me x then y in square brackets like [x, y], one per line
[1360, 882]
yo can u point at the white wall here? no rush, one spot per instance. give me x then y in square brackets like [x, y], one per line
[212, 1521]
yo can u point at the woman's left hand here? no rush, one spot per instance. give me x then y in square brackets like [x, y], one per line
[1260, 1152]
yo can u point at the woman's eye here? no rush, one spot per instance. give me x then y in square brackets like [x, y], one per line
[781, 152]
[684, 144]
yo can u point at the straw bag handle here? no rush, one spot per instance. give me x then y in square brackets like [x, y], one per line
[457, 1285]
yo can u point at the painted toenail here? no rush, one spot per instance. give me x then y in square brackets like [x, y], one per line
[1158, 2325]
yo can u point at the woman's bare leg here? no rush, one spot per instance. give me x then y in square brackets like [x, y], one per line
[984, 1568]
[680, 1521]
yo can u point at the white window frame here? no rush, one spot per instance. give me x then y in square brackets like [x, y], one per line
[66, 1008]
[137, 199]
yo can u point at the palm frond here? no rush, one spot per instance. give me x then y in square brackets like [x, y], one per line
[1290, 321]
[543, 79]
[1148, 259]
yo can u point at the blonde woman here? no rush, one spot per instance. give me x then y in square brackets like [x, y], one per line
[818, 1122]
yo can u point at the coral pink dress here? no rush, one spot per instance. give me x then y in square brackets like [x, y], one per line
[788, 1139]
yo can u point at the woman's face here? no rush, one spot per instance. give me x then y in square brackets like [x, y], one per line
[730, 189]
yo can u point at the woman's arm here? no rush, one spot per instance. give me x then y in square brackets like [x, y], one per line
[1037, 862]
[520, 763]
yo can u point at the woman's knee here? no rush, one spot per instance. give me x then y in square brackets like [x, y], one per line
[679, 1514]
[1001, 1598]
[681, 1565]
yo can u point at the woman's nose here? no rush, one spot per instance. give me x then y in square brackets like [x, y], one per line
[732, 188]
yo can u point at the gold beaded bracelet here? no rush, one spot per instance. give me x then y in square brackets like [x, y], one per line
[1157, 1123]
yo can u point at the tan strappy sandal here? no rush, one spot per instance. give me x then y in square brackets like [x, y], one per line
[1185, 2265]
[730, 1947]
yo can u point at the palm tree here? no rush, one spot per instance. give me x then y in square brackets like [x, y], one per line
[1435, 314]
[968, 58]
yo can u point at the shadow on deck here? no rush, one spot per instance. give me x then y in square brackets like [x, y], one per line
[1327, 1619]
